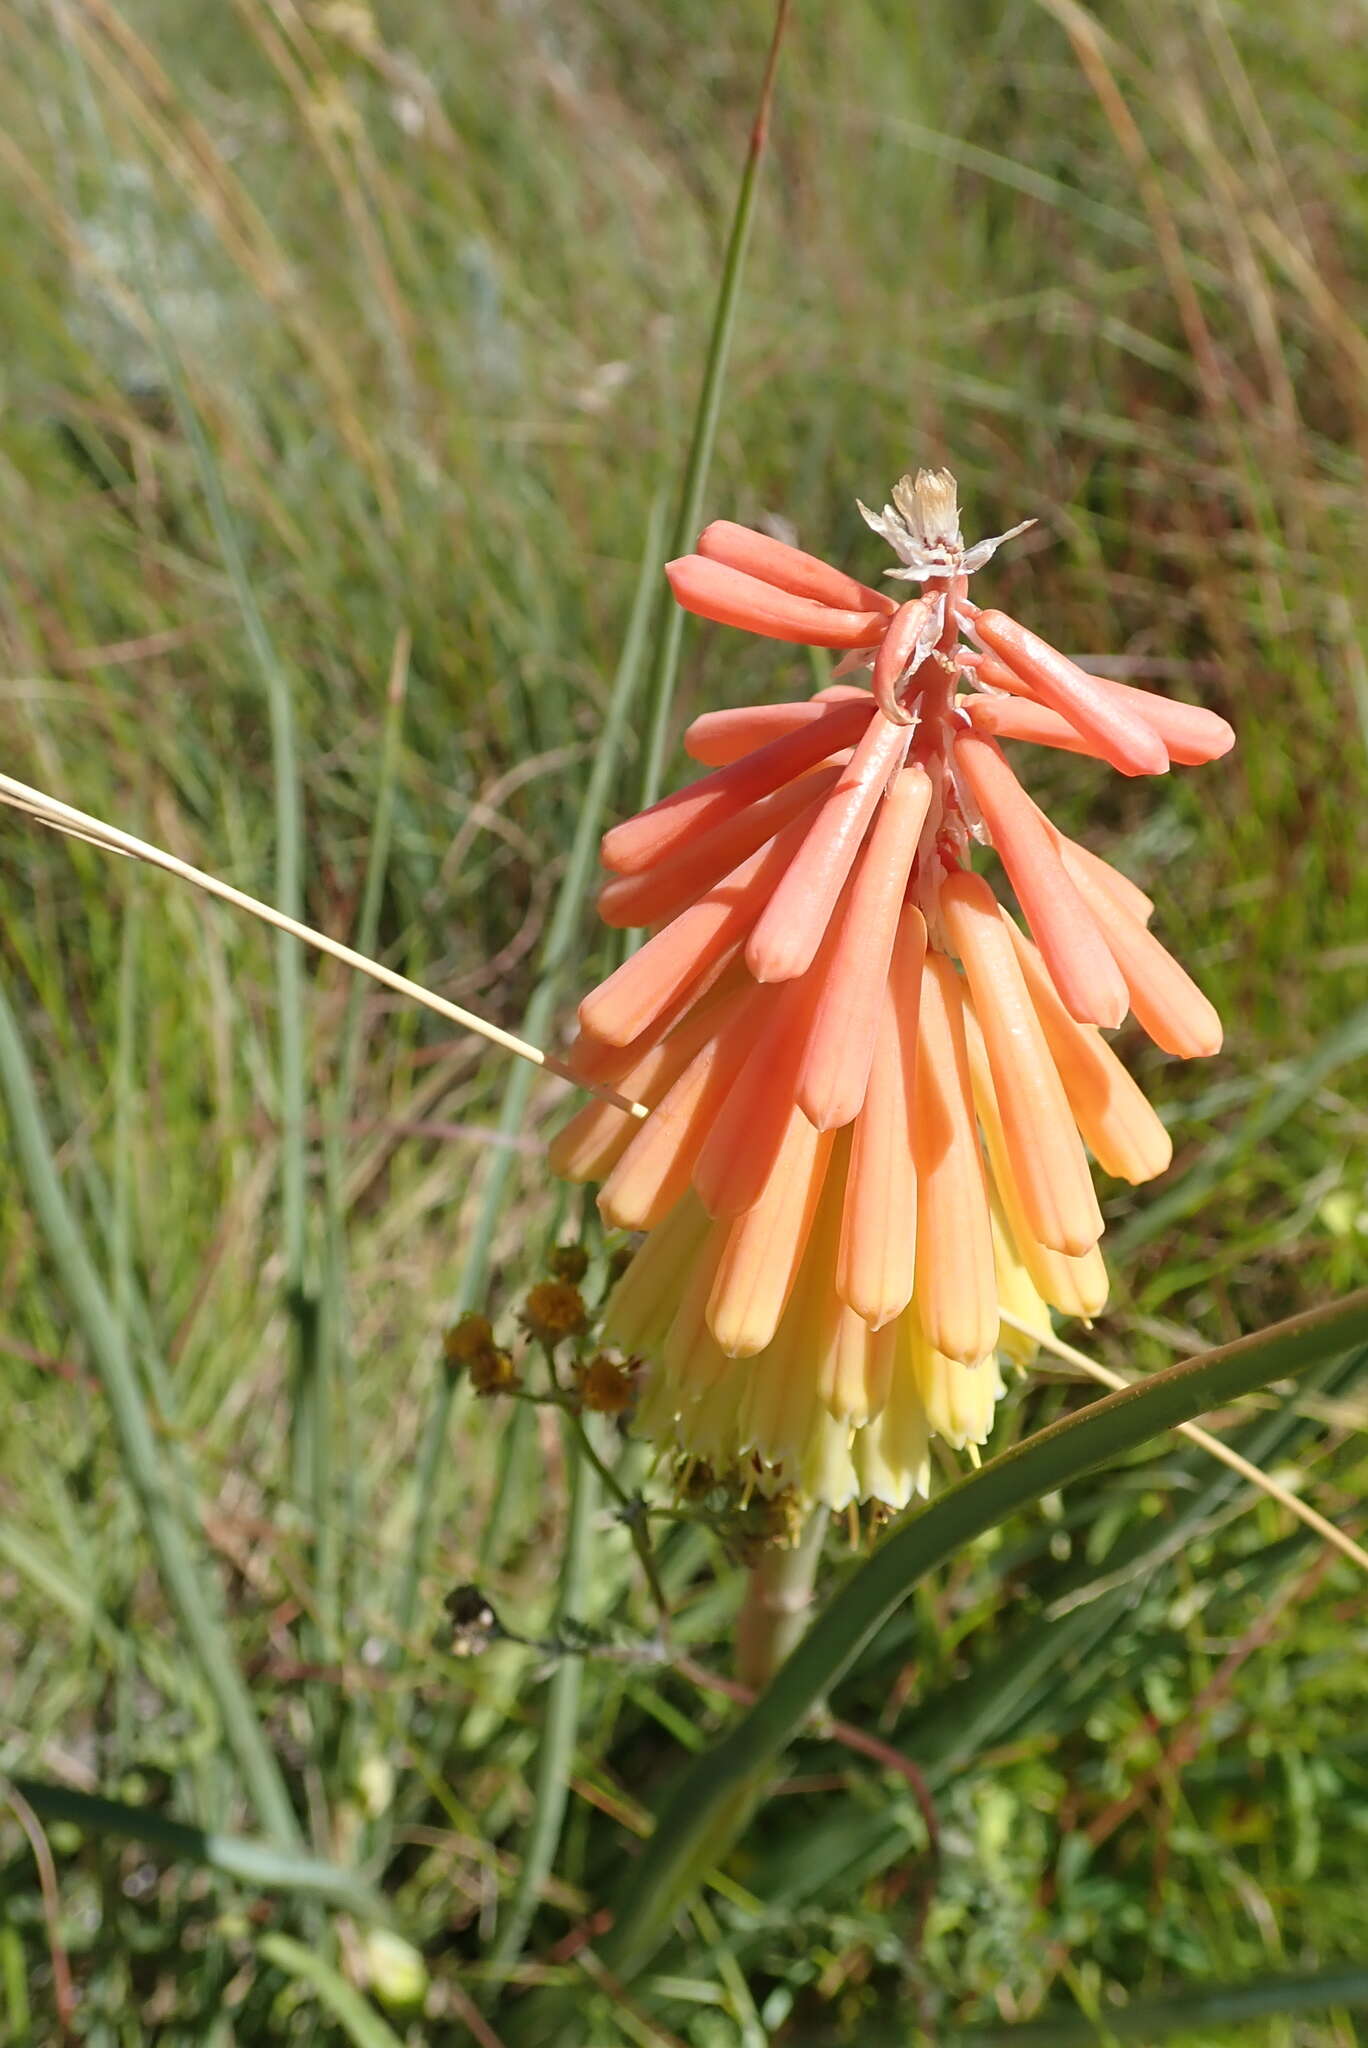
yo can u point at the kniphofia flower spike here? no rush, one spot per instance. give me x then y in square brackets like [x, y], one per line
[871, 1089]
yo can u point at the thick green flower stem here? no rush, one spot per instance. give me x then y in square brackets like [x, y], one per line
[778, 1598]
[189, 1590]
[716, 1793]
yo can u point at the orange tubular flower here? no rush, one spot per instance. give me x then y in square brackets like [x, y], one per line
[869, 1091]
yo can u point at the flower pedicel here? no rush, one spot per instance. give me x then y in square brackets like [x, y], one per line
[869, 1089]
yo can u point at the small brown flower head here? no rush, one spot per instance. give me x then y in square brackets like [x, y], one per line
[492, 1371]
[467, 1339]
[553, 1311]
[605, 1386]
[469, 1347]
[569, 1262]
[620, 1261]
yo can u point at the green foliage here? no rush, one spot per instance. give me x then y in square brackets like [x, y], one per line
[438, 284]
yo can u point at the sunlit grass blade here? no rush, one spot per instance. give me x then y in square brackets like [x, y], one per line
[1091, 1368]
[76, 824]
[1013, 1687]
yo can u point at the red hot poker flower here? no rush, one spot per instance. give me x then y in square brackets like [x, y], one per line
[858, 1152]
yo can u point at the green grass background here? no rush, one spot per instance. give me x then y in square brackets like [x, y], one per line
[435, 282]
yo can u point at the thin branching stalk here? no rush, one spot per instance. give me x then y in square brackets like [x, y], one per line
[556, 1750]
[260, 1866]
[557, 957]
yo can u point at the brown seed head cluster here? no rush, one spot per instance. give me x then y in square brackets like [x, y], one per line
[553, 1311]
[469, 1347]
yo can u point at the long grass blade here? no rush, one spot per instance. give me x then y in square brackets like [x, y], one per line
[360, 2022]
[1343, 1986]
[556, 1750]
[671, 636]
[557, 957]
[332, 1559]
[77, 824]
[187, 1585]
[263, 1866]
[1212, 1445]
[714, 1797]
[289, 819]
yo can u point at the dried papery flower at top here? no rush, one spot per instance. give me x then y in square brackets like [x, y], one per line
[869, 1089]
